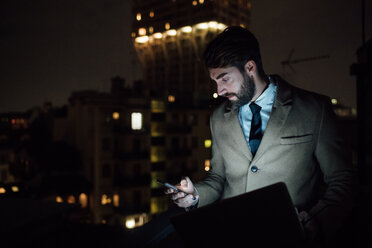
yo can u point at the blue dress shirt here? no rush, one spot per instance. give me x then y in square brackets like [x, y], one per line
[265, 101]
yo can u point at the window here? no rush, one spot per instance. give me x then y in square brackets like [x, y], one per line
[115, 115]
[71, 199]
[171, 98]
[136, 121]
[207, 165]
[116, 200]
[83, 200]
[2, 190]
[207, 143]
[105, 199]
[138, 16]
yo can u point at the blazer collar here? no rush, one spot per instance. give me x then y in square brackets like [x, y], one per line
[281, 109]
[283, 95]
[284, 91]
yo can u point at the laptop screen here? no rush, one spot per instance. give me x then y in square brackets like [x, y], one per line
[264, 217]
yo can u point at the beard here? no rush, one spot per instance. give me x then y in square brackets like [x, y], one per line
[246, 92]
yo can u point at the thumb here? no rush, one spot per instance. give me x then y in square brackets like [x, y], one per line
[187, 185]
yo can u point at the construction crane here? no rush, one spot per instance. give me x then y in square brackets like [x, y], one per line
[288, 62]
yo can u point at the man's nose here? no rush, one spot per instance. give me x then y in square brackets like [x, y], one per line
[221, 90]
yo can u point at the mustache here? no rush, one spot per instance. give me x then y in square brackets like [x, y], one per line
[229, 94]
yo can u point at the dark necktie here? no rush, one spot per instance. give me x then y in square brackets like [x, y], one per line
[255, 135]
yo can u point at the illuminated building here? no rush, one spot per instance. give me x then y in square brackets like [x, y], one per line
[169, 37]
[14, 133]
[111, 131]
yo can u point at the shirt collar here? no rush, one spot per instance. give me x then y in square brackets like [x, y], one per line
[267, 97]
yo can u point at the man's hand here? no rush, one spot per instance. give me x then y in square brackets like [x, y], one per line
[185, 198]
[310, 226]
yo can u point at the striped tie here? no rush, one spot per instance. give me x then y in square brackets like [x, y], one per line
[255, 135]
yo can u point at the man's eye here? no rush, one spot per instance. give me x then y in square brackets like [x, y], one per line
[225, 79]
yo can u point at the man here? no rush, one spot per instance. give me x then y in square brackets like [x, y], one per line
[269, 131]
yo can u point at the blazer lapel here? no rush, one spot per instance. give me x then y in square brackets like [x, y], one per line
[237, 135]
[279, 114]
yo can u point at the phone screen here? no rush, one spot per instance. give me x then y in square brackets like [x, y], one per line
[168, 185]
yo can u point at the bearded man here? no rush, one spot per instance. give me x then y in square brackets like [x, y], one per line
[269, 131]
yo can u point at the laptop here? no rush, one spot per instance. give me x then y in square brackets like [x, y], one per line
[264, 217]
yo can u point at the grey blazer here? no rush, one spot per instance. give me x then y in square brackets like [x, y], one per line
[300, 147]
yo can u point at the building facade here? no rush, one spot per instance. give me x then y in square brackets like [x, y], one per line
[170, 37]
[127, 141]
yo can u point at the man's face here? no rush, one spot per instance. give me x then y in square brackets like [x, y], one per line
[238, 87]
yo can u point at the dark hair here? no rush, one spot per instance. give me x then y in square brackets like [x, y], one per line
[233, 47]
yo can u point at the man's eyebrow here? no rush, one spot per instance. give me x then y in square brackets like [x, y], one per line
[221, 75]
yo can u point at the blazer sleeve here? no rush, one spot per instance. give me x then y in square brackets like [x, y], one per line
[211, 188]
[336, 203]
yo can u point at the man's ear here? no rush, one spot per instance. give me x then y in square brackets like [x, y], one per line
[250, 67]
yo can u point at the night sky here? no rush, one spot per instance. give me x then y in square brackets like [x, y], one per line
[50, 48]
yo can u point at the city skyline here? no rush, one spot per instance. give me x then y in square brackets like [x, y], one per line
[53, 49]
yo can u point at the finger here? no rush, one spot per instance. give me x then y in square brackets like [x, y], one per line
[186, 201]
[188, 181]
[169, 191]
[178, 195]
[183, 182]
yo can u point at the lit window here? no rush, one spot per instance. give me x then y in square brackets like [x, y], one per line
[186, 29]
[130, 223]
[171, 98]
[167, 26]
[142, 31]
[138, 17]
[15, 189]
[207, 143]
[71, 199]
[221, 26]
[172, 32]
[115, 115]
[135, 220]
[151, 14]
[158, 35]
[2, 190]
[142, 39]
[105, 199]
[136, 121]
[201, 1]
[116, 200]
[194, 3]
[212, 24]
[202, 25]
[83, 200]
[334, 101]
[59, 199]
[207, 165]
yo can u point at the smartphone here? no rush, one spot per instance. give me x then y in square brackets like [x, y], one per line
[168, 185]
